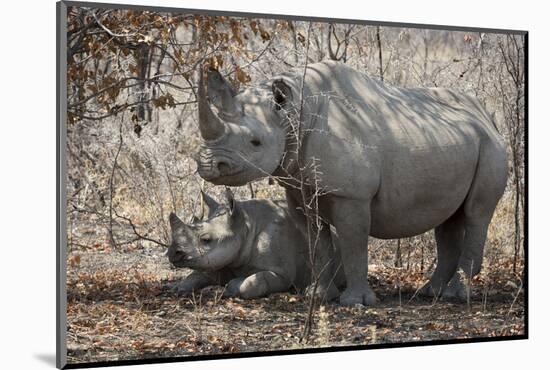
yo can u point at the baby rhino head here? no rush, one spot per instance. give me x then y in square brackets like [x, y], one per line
[208, 243]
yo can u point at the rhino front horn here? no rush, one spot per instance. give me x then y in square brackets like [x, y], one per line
[174, 220]
[210, 125]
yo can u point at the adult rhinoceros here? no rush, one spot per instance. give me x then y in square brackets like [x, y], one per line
[394, 162]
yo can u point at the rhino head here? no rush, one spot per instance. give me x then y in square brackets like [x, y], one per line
[208, 243]
[243, 132]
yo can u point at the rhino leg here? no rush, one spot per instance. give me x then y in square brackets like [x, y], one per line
[232, 288]
[486, 190]
[323, 292]
[258, 285]
[449, 237]
[325, 265]
[352, 223]
[326, 261]
[470, 260]
[194, 282]
[455, 289]
[472, 255]
[466, 232]
[459, 245]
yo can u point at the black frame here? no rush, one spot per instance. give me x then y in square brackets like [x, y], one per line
[61, 198]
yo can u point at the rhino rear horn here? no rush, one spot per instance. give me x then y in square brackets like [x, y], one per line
[221, 93]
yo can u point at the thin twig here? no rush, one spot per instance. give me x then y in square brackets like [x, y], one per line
[109, 31]
[134, 228]
[516, 297]
[112, 190]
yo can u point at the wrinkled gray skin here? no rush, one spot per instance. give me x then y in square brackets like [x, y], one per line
[254, 248]
[396, 162]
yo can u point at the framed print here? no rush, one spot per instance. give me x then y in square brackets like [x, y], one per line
[235, 184]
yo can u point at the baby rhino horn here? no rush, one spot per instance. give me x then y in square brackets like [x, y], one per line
[175, 222]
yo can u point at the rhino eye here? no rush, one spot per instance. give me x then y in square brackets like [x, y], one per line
[255, 142]
[206, 239]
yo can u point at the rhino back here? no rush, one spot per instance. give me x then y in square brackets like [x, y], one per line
[346, 105]
[414, 152]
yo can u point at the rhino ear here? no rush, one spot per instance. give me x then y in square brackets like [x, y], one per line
[282, 94]
[209, 204]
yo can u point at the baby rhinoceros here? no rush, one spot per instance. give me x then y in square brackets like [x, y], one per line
[252, 247]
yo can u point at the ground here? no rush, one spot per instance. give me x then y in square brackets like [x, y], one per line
[119, 308]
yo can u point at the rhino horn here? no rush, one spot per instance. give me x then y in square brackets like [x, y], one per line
[175, 222]
[208, 204]
[210, 125]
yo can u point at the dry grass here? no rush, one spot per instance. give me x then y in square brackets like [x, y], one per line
[119, 308]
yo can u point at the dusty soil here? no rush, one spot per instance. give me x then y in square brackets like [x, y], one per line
[119, 308]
